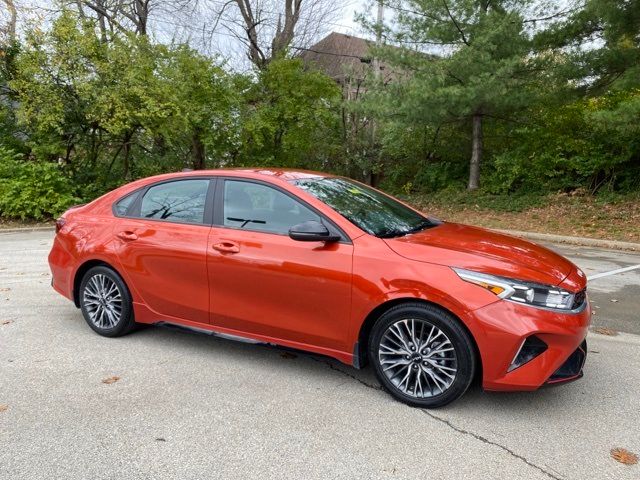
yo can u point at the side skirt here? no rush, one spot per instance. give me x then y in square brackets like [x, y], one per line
[144, 315]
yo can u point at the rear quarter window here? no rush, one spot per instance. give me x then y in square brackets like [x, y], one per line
[122, 206]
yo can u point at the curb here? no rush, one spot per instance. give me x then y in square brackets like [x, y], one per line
[27, 229]
[581, 241]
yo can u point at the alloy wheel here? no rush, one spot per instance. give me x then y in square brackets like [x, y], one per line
[102, 300]
[417, 358]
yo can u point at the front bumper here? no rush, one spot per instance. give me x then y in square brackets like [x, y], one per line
[500, 330]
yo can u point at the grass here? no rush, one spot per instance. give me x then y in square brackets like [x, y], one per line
[602, 217]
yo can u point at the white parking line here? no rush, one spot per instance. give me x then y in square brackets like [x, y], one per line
[613, 272]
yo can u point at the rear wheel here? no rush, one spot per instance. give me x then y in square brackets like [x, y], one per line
[422, 355]
[106, 303]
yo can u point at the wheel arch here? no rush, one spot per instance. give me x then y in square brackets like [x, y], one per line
[80, 272]
[360, 358]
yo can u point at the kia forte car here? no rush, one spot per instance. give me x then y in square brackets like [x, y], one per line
[328, 265]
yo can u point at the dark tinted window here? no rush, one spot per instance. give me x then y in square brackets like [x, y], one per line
[123, 205]
[365, 207]
[179, 201]
[258, 207]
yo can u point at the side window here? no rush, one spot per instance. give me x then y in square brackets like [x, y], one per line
[123, 205]
[179, 201]
[259, 207]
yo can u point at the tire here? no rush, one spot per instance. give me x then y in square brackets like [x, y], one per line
[106, 303]
[421, 377]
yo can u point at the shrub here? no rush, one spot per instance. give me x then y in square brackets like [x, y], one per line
[32, 190]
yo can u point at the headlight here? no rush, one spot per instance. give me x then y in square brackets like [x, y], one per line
[528, 293]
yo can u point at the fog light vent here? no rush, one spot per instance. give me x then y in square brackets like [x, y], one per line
[530, 349]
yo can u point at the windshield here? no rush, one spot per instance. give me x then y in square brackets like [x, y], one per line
[372, 211]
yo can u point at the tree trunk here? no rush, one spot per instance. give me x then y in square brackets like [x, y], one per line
[126, 148]
[141, 13]
[197, 152]
[282, 37]
[11, 25]
[103, 25]
[476, 154]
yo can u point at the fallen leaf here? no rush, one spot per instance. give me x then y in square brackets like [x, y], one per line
[605, 331]
[288, 355]
[111, 380]
[6, 322]
[624, 456]
[4, 408]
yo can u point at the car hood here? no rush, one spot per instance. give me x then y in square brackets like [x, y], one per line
[482, 250]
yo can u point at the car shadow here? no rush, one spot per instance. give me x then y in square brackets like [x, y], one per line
[320, 368]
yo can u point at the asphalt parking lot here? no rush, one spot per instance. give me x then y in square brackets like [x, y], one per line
[190, 406]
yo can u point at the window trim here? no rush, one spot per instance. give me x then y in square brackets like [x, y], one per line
[218, 209]
[133, 212]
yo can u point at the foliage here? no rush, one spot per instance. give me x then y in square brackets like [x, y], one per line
[291, 117]
[610, 30]
[487, 69]
[9, 131]
[592, 143]
[34, 190]
[113, 111]
[83, 110]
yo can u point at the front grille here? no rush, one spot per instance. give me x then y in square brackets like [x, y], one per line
[579, 299]
[572, 368]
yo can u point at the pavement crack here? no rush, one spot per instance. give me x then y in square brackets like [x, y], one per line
[333, 367]
[490, 442]
[447, 422]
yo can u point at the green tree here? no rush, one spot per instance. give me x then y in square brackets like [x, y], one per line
[10, 135]
[207, 105]
[486, 68]
[290, 117]
[589, 136]
[602, 40]
[112, 111]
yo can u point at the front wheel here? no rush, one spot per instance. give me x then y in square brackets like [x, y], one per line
[106, 303]
[422, 355]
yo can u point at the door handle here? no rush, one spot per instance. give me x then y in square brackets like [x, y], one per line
[128, 236]
[226, 247]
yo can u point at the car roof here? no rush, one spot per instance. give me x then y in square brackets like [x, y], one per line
[284, 174]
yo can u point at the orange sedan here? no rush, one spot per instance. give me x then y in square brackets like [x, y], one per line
[328, 265]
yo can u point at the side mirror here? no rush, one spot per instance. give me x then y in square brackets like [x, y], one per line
[312, 231]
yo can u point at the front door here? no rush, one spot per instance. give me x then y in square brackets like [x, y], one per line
[265, 283]
[162, 247]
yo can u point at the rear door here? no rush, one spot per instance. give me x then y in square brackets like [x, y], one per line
[161, 240]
